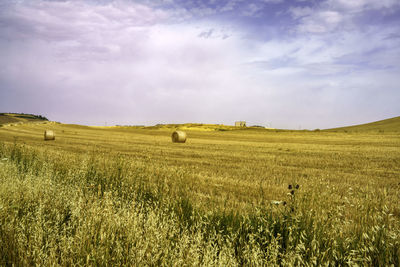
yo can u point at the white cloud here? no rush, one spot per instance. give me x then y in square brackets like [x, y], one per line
[134, 67]
[333, 15]
[229, 6]
[298, 12]
[251, 10]
[361, 5]
[130, 63]
[272, 1]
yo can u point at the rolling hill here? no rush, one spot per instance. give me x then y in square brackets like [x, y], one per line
[6, 118]
[388, 125]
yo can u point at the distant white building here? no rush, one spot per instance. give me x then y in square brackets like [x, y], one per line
[240, 123]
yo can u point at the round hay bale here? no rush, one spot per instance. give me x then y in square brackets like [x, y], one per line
[49, 135]
[179, 137]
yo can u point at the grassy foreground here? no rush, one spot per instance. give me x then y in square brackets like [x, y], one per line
[128, 196]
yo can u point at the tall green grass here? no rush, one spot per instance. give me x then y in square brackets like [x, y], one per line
[99, 209]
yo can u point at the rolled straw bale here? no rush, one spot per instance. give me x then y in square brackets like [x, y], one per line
[49, 135]
[179, 137]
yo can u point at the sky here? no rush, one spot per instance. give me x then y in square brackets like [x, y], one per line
[293, 64]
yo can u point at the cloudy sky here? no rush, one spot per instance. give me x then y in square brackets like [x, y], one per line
[280, 63]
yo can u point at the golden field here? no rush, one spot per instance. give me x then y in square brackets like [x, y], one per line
[129, 196]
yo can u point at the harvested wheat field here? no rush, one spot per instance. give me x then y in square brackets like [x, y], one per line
[129, 196]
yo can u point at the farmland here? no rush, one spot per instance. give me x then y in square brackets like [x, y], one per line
[129, 196]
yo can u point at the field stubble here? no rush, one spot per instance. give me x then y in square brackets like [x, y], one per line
[125, 195]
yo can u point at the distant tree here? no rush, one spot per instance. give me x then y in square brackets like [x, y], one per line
[42, 117]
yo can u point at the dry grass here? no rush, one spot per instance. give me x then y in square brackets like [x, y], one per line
[205, 202]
